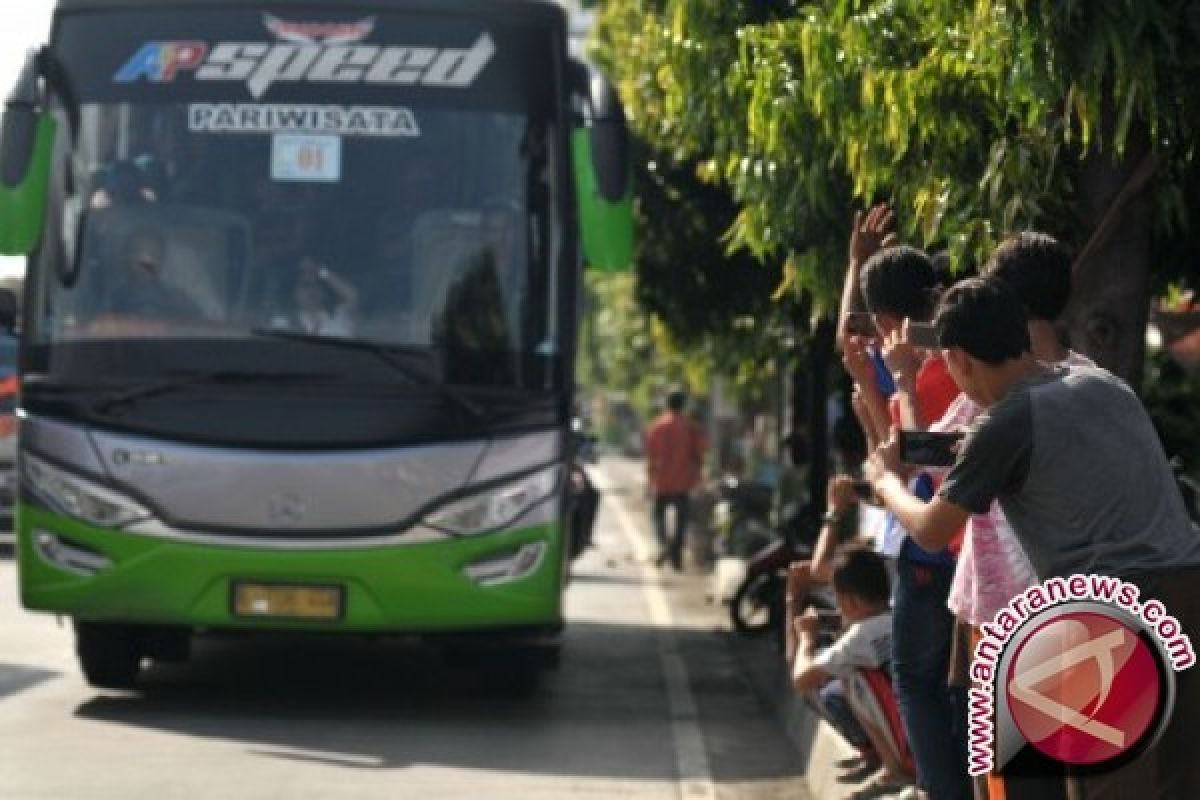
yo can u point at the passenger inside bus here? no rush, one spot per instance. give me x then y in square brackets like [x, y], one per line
[313, 309]
[138, 287]
[121, 183]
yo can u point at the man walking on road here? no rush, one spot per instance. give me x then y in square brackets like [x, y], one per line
[675, 449]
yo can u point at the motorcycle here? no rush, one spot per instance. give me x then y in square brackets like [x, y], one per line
[742, 517]
[757, 605]
[741, 526]
[583, 499]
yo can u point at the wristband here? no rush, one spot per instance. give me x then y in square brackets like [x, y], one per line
[831, 517]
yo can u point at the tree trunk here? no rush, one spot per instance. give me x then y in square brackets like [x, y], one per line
[820, 355]
[1110, 296]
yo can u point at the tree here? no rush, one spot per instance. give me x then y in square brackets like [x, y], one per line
[976, 119]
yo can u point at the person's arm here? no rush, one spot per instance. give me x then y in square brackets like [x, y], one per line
[993, 459]
[931, 525]
[859, 406]
[840, 500]
[800, 628]
[903, 362]
[346, 293]
[861, 368]
[810, 679]
[813, 675]
[650, 446]
[851, 650]
[877, 412]
[867, 236]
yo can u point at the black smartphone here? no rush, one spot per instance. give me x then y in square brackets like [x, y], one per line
[861, 323]
[923, 334]
[929, 449]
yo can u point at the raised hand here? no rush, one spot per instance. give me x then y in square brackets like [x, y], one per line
[857, 361]
[871, 233]
[885, 460]
[901, 357]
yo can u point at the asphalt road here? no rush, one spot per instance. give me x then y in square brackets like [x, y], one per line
[648, 703]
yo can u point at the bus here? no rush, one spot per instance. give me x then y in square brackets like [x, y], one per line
[300, 316]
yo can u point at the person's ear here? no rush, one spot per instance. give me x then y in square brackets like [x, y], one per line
[957, 360]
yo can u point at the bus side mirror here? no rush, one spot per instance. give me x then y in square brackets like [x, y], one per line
[603, 177]
[26, 143]
[8, 310]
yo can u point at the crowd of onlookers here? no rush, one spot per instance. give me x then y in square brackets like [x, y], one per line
[1058, 471]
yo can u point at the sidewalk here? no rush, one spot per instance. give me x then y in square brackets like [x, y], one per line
[817, 746]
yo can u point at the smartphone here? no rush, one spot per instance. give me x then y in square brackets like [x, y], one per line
[860, 323]
[928, 449]
[923, 334]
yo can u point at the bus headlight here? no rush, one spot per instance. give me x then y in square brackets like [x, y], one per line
[496, 508]
[77, 497]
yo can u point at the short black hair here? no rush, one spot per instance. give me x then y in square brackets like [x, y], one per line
[676, 400]
[1038, 269]
[983, 317]
[862, 573]
[900, 280]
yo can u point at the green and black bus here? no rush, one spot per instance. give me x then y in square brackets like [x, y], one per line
[300, 314]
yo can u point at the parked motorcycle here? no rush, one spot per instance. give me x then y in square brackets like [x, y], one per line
[742, 517]
[582, 496]
[757, 605]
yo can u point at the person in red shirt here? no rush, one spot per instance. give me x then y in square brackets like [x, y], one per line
[675, 450]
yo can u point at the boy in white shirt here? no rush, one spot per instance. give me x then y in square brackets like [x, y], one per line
[862, 591]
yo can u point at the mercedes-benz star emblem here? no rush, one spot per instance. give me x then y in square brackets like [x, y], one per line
[287, 509]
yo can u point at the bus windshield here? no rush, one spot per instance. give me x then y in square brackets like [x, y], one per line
[416, 214]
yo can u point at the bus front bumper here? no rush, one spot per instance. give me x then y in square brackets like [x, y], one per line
[510, 579]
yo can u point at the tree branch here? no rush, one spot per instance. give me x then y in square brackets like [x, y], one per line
[1112, 215]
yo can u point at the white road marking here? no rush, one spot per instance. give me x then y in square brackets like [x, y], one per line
[691, 759]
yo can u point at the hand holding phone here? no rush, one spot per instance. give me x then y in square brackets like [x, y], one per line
[929, 449]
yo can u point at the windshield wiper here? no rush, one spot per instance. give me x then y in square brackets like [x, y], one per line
[387, 354]
[204, 378]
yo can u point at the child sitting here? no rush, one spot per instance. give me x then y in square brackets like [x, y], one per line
[860, 585]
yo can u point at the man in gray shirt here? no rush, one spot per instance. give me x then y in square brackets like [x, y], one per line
[1069, 452]
[1080, 473]
[1075, 463]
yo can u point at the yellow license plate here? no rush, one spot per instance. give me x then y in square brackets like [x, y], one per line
[287, 601]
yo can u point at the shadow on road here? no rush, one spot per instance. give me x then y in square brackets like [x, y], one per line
[17, 678]
[390, 704]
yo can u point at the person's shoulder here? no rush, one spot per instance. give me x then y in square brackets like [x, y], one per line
[959, 415]
[1093, 379]
[878, 622]
[936, 389]
[1010, 409]
[860, 634]
[934, 372]
[1077, 359]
